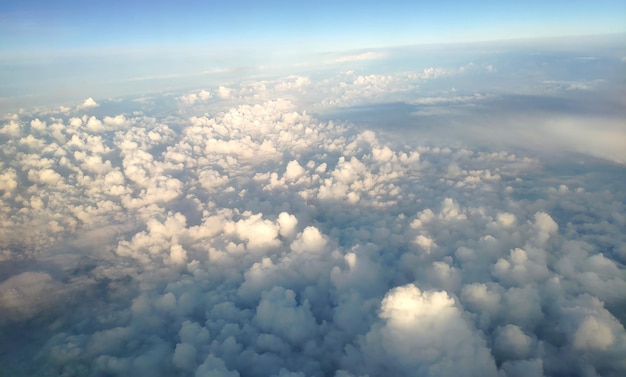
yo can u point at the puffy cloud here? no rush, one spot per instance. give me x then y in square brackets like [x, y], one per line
[593, 335]
[192, 98]
[224, 92]
[424, 333]
[293, 82]
[88, 103]
[8, 182]
[512, 343]
[294, 170]
[310, 240]
[278, 313]
[12, 128]
[212, 366]
[37, 125]
[26, 295]
[287, 224]
[257, 234]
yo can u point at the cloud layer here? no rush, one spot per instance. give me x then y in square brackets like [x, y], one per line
[242, 236]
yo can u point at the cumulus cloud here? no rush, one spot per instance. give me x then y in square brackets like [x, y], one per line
[192, 98]
[265, 239]
[293, 82]
[425, 334]
[224, 92]
[88, 103]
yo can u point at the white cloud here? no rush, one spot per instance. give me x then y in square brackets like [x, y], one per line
[37, 125]
[310, 240]
[287, 224]
[426, 334]
[224, 92]
[12, 128]
[258, 234]
[294, 170]
[293, 82]
[88, 103]
[192, 98]
[8, 182]
[369, 55]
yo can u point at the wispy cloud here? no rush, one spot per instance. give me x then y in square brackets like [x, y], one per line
[369, 55]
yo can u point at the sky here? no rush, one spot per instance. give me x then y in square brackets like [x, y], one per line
[49, 50]
[325, 25]
[31, 26]
[251, 190]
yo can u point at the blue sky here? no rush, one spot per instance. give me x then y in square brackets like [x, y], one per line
[28, 26]
[70, 49]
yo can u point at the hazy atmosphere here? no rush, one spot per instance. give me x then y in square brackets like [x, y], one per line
[340, 189]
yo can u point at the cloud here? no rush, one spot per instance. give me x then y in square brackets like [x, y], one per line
[425, 334]
[293, 82]
[224, 92]
[369, 55]
[8, 182]
[25, 295]
[192, 98]
[12, 128]
[248, 235]
[88, 104]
